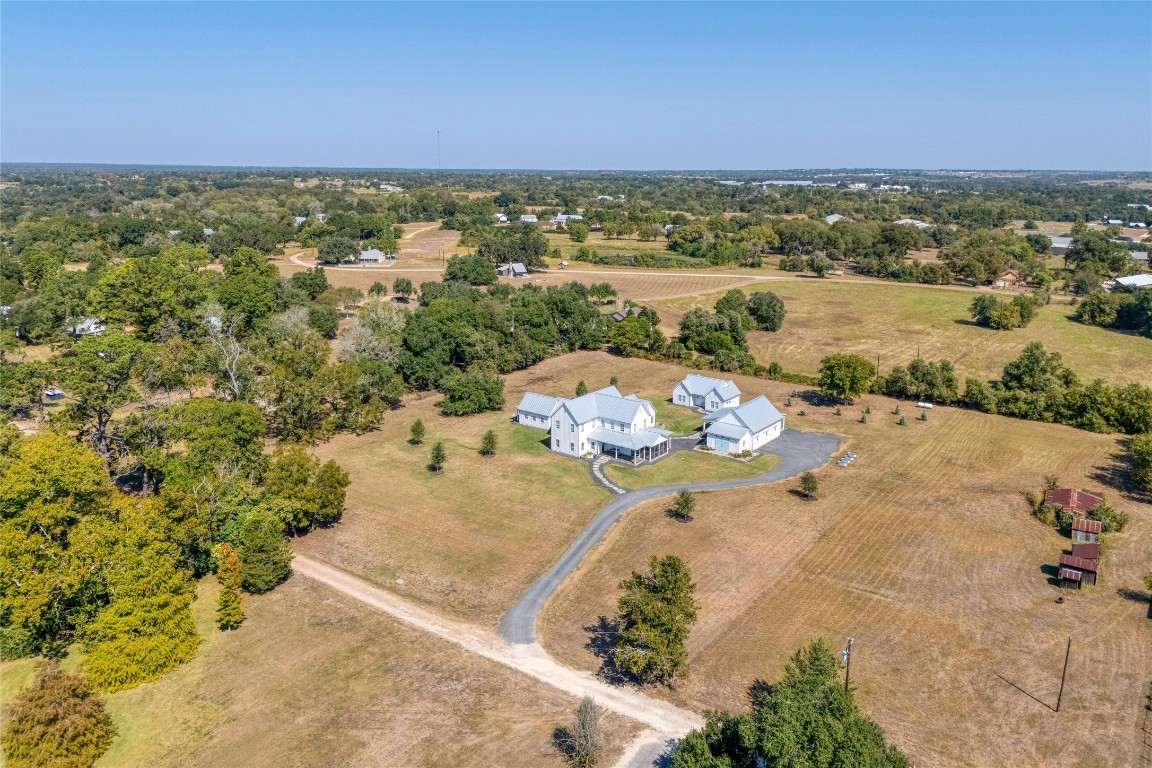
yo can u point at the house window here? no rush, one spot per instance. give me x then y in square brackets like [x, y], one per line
[557, 423]
[557, 443]
[572, 446]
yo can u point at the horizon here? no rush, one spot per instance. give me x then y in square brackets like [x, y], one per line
[624, 87]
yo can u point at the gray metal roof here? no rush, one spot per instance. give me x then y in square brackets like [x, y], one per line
[757, 415]
[607, 404]
[699, 385]
[1060, 242]
[732, 431]
[539, 405]
[372, 254]
[1138, 281]
[645, 438]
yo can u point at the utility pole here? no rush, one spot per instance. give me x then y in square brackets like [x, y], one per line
[846, 655]
[1064, 674]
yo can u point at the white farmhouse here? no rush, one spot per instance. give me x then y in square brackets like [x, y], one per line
[706, 393]
[743, 428]
[603, 421]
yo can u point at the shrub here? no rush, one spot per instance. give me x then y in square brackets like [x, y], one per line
[59, 722]
[468, 393]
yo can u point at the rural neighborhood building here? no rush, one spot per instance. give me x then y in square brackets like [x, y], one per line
[173, 232]
[1060, 245]
[1116, 222]
[706, 393]
[627, 312]
[208, 231]
[743, 428]
[1135, 281]
[1080, 567]
[1010, 279]
[89, 326]
[833, 218]
[321, 217]
[1079, 503]
[372, 255]
[529, 218]
[600, 422]
[501, 218]
[914, 223]
[1085, 531]
[515, 269]
[299, 220]
[1140, 256]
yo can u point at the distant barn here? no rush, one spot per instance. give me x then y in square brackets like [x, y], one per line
[1079, 503]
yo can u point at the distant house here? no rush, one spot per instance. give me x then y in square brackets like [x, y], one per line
[501, 218]
[1060, 245]
[89, 326]
[372, 255]
[1135, 281]
[835, 217]
[601, 422]
[624, 314]
[1114, 222]
[1141, 256]
[1009, 279]
[914, 223]
[515, 269]
[603, 197]
[706, 393]
[300, 220]
[208, 231]
[560, 219]
[173, 232]
[1137, 225]
[1079, 503]
[743, 428]
[1085, 530]
[321, 217]
[528, 218]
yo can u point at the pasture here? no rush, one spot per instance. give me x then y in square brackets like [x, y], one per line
[897, 321]
[925, 552]
[316, 678]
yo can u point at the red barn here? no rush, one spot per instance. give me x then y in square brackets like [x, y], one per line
[1085, 530]
[1079, 503]
[1078, 571]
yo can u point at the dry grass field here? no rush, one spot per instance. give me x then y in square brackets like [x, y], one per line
[314, 678]
[924, 551]
[895, 320]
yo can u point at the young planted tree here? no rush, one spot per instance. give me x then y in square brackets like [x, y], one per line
[377, 289]
[58, 722]
[437, 458]
[684, 505]
[230, 611]
[613, 381]
[808, 485]
[657, 611]
[416, 433]
[581, 388]
[488, 444]
[402, 286]
[265, 556]
[583, 743]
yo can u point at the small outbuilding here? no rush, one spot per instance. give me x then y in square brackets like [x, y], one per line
[1086, 531]
[1079, 503]
[624, 314]
[743, 428]
[1010, 279]
[1060, 245]
[1076, 572]
[515, 269]
[528, 218]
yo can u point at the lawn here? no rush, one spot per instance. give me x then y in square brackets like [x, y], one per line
[898, 321]
[676, 418]
[314, 678]
[924, 551]
[689, 467]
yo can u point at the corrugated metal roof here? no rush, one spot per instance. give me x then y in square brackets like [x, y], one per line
[1071, 574]
[1089, 551]
[731, 431]
[1135, 281]
[539, 405]
[699, 385]
[1061, 242]
[645, 438]
[1081, 563]
[1086, 525]
[757, 415]
[1075, 501]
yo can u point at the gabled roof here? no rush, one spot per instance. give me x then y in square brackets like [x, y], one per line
[529, 217]
[833, 218]
[1088, 551]
[1084, 564]
[540, 405]
[913, 222]
[756, 415]
[731, 431]
[644, 438]
[515, 268]
[607, 404]
[698, 385]
[372, 254]
[1075, 501]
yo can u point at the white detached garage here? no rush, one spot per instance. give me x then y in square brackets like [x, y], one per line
[743, 428]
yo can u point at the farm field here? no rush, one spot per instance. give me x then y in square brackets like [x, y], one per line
[316, 678]
[924, 551]
[688, 467]
[895, 321]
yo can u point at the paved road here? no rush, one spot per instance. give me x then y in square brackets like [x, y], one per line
[798, 452]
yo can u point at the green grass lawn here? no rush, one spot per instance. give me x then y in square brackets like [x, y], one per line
[677, 419]
[689, 467]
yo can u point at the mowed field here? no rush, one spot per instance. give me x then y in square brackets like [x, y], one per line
[895, 321]
[314, 678]
[925, 552]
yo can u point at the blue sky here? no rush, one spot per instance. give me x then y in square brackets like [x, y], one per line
[587, 85]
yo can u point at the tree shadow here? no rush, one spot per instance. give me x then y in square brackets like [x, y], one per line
[1136, 596]
[602, 642]
[801, 495]
[969, 323]
[562, 741]
[758, 690]
[1118, 476]
[672, 513]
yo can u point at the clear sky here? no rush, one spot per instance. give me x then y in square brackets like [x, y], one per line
[586, 85]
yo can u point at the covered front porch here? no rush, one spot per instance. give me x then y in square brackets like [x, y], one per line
[636, 448]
